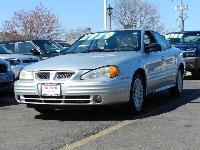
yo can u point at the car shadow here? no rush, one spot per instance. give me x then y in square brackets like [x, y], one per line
[155, 104]
[7, 99]
[190, 77]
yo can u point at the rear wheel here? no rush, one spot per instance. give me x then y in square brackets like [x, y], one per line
[137, 94]
[178, 89]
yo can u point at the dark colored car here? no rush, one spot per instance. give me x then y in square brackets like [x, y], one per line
[7, 76]
[63, 44]
[42, 48]
[189, 43]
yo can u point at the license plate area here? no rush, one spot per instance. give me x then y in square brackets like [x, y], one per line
[51, 89]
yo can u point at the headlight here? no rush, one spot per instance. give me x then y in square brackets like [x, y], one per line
[25, 75]
[104, 72]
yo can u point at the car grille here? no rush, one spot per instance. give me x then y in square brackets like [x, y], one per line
[63, 75]
[81, 99]
[43, 75]
[29, 61]
[3, 68]
[55, 76]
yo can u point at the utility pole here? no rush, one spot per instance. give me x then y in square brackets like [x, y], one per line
[110, 11]
[182, 14]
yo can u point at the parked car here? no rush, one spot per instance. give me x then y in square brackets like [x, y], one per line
[189, 43]
[121, 66]
[42, 48]
[17, 61]
[64, 44]
[7, 76]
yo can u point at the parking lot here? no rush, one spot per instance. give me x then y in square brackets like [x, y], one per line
[166, 123]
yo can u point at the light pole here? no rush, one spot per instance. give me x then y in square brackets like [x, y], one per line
[110, 11]
[182, 14]
[105, 15]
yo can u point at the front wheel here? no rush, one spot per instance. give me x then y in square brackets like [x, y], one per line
[137, 94]
[178, 89]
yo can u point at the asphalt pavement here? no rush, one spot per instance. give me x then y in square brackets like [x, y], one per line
[166, 123]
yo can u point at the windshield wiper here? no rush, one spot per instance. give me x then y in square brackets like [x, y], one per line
[93, 50]
[52, 52]
[5, 53]
[73, 52]
[104, 50]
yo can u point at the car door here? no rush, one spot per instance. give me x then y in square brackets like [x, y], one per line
[168, 57]
[153, 64]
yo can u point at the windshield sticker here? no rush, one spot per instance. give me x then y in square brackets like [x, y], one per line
[85, 37]
[98, 36]
[169, 36]
[108, 35]
[92, 36]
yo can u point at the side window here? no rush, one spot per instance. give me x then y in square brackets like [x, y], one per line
[25, 47]
[161, 40]
[10, 46]
[148, 38]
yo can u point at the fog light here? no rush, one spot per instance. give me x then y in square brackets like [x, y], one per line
[18, 97]
[97, 99]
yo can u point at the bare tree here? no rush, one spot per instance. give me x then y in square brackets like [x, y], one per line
[73, 35]
[137, 14]
[36, 23]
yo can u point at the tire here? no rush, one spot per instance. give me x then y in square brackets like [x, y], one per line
[137, 94]
[178, 88]
[44, 110]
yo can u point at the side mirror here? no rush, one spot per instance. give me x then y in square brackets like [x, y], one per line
[153, 47]
[35, 52]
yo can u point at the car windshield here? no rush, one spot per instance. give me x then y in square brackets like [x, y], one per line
[179, 38]
[4, 50]
[107, 42]
[48, 46]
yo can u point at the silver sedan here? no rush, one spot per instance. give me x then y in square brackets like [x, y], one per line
[103, 68]
[7, 77]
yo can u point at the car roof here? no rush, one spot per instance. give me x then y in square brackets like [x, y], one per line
[14, 41]
[183, 32]
[116, 30]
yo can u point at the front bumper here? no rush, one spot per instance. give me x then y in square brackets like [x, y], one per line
[192, 63]
[74, 92]
[6, 80]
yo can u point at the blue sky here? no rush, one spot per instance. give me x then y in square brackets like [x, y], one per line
[89, 13]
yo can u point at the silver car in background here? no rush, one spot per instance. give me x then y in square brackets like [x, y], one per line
[103, 68]
[17, 61]
[7, 77]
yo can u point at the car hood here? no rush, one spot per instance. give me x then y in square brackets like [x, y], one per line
[82, 61]
[18, 56]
